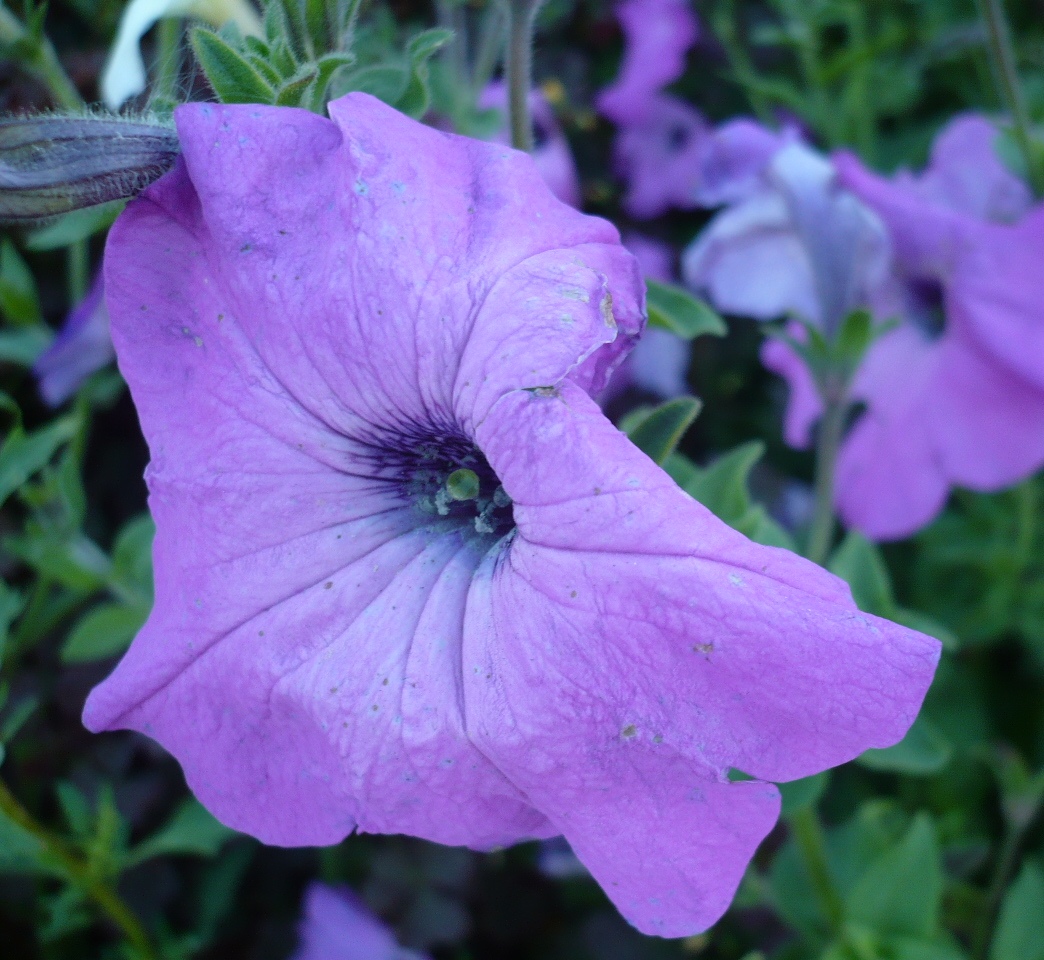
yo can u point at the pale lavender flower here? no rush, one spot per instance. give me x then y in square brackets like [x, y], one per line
[657, 35]
[82, 347]
[797, 245]
[551, 151]
[955, 395]
[409, 579]
[336, 925]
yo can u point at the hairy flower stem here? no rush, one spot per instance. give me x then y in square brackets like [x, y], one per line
[42, 63]
[831, 427]
[808, 833]
[1002, 57]
[521, 16]
[1007, 863]
[79, 873]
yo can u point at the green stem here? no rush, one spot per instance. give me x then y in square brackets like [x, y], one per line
[169, 32]
[1007, 862]
[831, 428]
[42, 64]
[80, 874]
[1002, 56]
[488, 47]
[1026, 525]
[808, 832]
[78, 258]
[521, 16]
[742, 69]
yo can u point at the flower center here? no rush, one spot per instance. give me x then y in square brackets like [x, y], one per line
[445, 476]
[926, 302]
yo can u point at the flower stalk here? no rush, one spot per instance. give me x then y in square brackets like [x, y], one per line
[79, 873]
[521, 17]
[1002, 58]
[828, 442]
[808, 833]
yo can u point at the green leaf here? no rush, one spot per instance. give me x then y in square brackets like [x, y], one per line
[232, 76]
[75, 809]
[722, 485]
[658, 431]
[1020, 927]
[75, 226]
[799, 794]
[901, 892]
[427, 43]
[19, 301]
[103, 632]
[922, 752]
[20, 851]
[11, 604]
[191, 831]
[23, 454]
[24, 344]
[293, 90]
[132, 559]
[859, 562]
[675, 309]
[387, 83]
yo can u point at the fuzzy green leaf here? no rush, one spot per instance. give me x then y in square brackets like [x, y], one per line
[672, 308]
[231, 75]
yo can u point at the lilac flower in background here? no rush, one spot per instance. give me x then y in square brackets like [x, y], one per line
[82, 346]
[336, 925]
[955, 395]
[676, 159]
[657, 35]
[798, 244]
[409, 579]
[551, 151]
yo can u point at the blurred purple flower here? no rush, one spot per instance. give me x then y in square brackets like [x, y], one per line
[657, 35]
[327, 326]
[336, 925]
[551, 151]
[955, 395]
[798, 244]
[82, 346]
[675, 158]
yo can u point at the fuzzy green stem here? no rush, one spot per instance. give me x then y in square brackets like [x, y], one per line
[42, 64]
[828, 442]
[79, 265]
[521, 16]
[808, 833]
[489, 47]
[1007, 863]
[1002, 57]
[79, 873]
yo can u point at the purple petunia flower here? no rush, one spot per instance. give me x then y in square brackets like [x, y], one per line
[551, 151]
[797, 244]
[675, 158]
[409, 579]
[337, 926]
[955, 395]
[657, 35]
[82, 347]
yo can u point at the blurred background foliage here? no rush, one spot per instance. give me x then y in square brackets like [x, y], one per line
[933, 849]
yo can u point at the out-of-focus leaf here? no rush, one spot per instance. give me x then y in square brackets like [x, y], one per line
[901, 892]
[923, 751]
[657, 432]
[23, 454]
[859, 562]
[75, 808]
[103, 632]
[191, 831]
[803, 793]
[75, 226]
[20, 851]
[24, 344]
[19, 302]
[1020, 927]
[11, 604]
[675, 309]
[387, 83]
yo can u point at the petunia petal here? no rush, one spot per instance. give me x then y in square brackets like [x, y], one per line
[654, 625]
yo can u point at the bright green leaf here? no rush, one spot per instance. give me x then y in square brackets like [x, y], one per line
[675, 309]
[1020, 927]
[23, 454]
[103, 632]
[658, 431]
[722, 485]
[901, 892]
[923, 751]
[232, 76]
